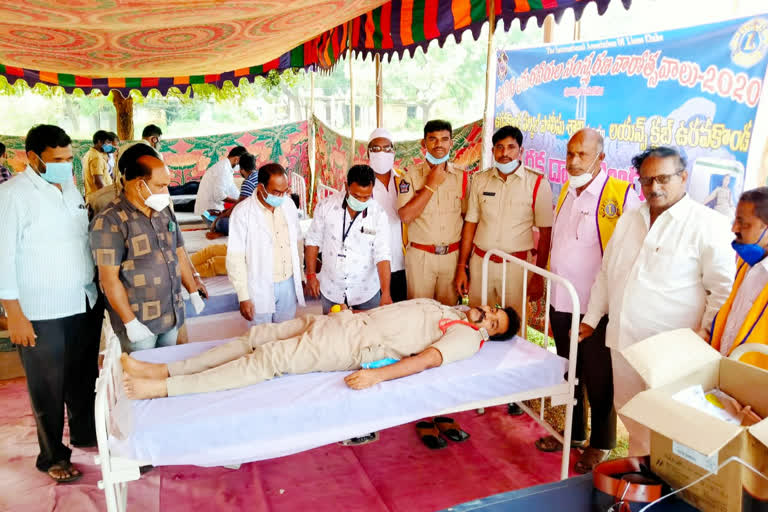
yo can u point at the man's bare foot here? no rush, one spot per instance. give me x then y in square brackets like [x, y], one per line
[137, 368]
[137, 388]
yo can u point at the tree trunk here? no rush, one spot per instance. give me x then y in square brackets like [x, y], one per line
[124, 109]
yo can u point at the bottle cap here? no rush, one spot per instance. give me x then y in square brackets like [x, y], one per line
[335, 308]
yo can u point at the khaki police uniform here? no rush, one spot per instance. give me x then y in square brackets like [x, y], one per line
[434, 236]
[505, 214]
[326, 343]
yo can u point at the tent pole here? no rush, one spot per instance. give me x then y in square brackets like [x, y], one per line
[379, 97]
[549, 28]
[311, 135]
[124, 115]
[351, 98]
[490, 73]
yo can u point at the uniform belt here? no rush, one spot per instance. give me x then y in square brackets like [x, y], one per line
[497, 259]
[437, 249]
[626, 480]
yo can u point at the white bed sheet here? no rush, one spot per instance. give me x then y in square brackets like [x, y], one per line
[294, 413]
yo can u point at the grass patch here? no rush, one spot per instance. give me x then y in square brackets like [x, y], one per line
[539, 339]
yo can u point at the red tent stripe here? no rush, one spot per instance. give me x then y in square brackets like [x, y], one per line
[430, 19]
[386, 26]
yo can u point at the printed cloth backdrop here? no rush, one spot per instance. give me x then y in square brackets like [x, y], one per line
[331, 150]
[189, 157]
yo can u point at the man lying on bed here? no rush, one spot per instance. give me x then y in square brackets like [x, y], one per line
[422, 333]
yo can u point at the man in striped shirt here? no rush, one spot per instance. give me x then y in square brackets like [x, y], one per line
[5, 173]
[48, 292]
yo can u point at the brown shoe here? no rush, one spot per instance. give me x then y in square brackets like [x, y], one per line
[589, 459]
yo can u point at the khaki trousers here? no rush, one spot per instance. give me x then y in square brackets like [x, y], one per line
[626, 384]
[211, 261]
[306, 344]
[513, 292]
[430, 276]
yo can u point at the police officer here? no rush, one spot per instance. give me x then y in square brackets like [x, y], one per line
[505, 203]
[432, 200]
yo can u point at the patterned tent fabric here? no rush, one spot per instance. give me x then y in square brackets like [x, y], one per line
[189, 157]
[143, 44]
[332, 150]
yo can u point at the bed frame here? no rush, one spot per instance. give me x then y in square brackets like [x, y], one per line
[117, 471]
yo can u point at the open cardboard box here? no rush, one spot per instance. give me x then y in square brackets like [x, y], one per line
[687, 443]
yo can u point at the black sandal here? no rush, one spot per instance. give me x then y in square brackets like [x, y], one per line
[450, 429]
[430, 436]
[67, 467]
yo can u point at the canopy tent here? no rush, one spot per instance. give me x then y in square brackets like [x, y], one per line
[104, 46]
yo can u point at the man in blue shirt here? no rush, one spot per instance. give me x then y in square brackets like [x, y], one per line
[48, 292]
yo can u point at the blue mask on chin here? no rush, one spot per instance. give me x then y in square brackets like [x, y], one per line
[437, 161]
[752, 254]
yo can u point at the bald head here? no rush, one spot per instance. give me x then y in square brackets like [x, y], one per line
[585, 153]
[590, 136]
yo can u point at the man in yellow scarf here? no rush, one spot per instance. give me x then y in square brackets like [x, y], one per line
[743, 318]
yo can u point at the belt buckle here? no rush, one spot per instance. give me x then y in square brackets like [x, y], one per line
[441, 250]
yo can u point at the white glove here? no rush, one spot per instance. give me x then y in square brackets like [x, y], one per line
[197, 302]
[137, 331]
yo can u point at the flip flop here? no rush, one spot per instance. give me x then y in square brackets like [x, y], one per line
[450, 429]
[430, 436]
[550, 444]
[359, 441]
[74, 473]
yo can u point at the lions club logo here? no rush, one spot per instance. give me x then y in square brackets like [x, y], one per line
[750, 43]
[609, 209]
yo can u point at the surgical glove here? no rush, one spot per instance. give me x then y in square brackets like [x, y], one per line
[137, 331]
[197, 302]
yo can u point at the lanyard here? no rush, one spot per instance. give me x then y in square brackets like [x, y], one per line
[344, 229]
[445, 323]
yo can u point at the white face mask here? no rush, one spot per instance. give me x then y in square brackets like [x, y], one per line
[157, 202]
[576, 182]
[381, 162]
[507, 168]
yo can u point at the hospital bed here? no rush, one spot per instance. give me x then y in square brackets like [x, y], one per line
[296, 413]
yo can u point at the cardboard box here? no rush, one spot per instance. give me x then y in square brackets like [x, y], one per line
[687, 443]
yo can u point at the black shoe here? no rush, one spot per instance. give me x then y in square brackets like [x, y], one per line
[514, 410]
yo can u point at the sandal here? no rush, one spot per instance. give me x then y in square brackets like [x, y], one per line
[450, 429]
[430, 436]
[359, 441]
[71, 472]
[591, 458]
[550, 444]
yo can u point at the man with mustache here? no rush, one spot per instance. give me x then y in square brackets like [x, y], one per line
[431, 202]
[743, 318]
[668, 266]
[589, 206]
[341, 341]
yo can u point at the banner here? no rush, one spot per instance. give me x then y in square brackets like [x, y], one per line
[187, 158]
[697, 89]
[332, 150]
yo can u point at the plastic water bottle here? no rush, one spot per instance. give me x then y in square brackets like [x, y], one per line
[378, 364]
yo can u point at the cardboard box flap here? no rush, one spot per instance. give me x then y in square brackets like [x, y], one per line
[760, 432]
[661, 413]
[669, 356]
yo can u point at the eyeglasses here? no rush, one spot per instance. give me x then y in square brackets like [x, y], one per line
[661, 179]
[379, 149]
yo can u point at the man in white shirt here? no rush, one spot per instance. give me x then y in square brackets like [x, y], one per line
[263, 255]
[381, 157]
[218, 186]
[352, 232]
[48, 291]
[669, 265]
